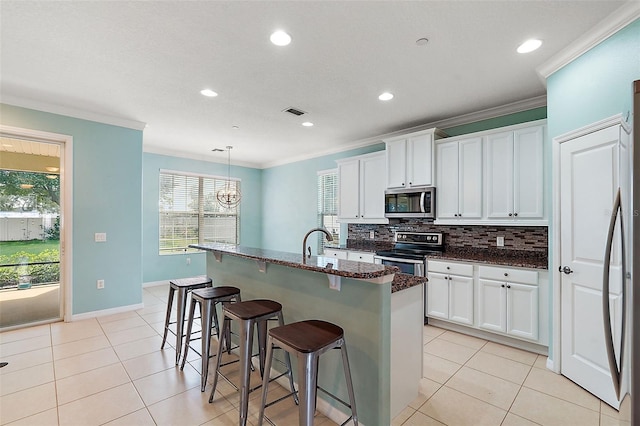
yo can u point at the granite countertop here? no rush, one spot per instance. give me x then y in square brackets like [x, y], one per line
[402, 281]
[327, 265]
[493, 256]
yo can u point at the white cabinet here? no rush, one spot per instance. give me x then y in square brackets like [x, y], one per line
[358, 256]
[409, 159]
[337, 253]
[361, 189]
[459, 179]
[514, 174]
[450, 291]
[508, 301]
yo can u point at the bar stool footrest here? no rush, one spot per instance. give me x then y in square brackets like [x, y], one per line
[335, 397]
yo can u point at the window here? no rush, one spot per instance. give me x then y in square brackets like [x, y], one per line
[328, 205]
[190, 213]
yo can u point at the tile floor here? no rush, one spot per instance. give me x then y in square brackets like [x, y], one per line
[110, 370]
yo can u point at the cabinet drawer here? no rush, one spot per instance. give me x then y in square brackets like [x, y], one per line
[450, 268]
[360, 256]
[338, 254]
[508, 274]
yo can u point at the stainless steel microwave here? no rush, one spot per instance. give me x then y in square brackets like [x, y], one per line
[410, 203]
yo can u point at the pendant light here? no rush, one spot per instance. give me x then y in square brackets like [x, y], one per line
[229, 196]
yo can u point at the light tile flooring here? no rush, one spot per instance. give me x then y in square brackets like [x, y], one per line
[110, 370]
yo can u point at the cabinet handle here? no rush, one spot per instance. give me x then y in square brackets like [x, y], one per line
[402, 183]
[506, 275]
[510, 214]
[515, 214]
[502, 285]
[508, 286]
[448, 267]
[410, 183]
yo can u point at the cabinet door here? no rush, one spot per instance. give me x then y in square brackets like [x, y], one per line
[528, 181]
[447, 180]
[420, 161]
[499, 175]
[492, 304]
[372, 186]
[338, 254]
[396, 152]
[522, 310]
[461, 299]
[438, 295]
[349, 186]
[359, 256]
[470, 178]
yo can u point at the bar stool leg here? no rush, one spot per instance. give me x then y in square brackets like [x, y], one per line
[262, 345]
[182, 303]
[168, 317]
[307, 381]
[287, 360]
[192, 311]
[347, 376]
[205, 315]
[226, 322]
[246, 345]
[265, 379]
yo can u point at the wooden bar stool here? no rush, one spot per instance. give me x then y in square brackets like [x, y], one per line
[247, 314]
[183, 286]
[207, 298]
[308, 340]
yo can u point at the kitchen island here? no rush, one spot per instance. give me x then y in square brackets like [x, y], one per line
[383, 332]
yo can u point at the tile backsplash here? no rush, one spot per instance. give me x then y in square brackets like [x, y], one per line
[530, 238]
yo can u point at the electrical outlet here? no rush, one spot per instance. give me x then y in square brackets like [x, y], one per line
[188, 261]
[100, 284]
[500, 241]
[372, 235]
[100, 237]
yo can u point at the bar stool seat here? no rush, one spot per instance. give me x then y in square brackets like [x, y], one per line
[207, 298]
[183, 287]
[249, 314]
[308, 340]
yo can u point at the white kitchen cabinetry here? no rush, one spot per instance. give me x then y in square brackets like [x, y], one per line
[409, 159]
[358, 256]
[459, 179]
[508, 301]
[450, 291]
[514, 175]
[361, 189]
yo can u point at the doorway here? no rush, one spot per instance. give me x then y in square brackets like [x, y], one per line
[32, 205]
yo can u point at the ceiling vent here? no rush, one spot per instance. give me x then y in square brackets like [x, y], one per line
[295, 111]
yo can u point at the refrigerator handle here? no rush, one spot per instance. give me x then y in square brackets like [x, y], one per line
[616, 373]
[422, 195]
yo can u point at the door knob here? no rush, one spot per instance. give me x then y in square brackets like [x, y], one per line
[566, 270]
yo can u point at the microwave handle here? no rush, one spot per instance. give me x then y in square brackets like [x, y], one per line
[422, 195]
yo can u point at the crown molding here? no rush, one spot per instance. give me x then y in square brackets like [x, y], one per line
[148, 149]
[72, 112]
[459, 120]
[620, 18]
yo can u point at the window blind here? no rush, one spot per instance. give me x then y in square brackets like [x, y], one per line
[328, 205]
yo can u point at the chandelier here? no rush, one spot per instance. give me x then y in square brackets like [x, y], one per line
[229, 196]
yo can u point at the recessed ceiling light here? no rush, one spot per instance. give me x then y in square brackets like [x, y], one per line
[235, 127]
[307, 124]
[280, 38]
[386, 96]
[52, 169]
[208, 92]
[422, 41]
[529, 46]
[52, 176]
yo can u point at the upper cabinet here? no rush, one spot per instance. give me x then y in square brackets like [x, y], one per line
[459, 189]
[492, 177]
[409, 159]
[361, 186]
[514, 175]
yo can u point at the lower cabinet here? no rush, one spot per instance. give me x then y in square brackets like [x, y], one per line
[502, 300]
[337, 253]
[450, 292]
[508, 301]
[358, 256]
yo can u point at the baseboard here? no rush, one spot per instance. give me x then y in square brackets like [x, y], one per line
[551, 365]
[105, 312]
[155, 283]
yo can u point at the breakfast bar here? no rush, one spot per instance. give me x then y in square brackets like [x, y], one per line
[382, 328]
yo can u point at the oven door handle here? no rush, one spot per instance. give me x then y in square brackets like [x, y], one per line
[399, 260]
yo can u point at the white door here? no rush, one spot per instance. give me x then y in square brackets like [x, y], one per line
[588, 182]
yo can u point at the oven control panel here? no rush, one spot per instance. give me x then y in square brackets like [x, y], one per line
[430, 238]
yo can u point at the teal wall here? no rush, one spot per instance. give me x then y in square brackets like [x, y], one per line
[107, 197]
[595, 86]
[165, 267]
[290, 200]
[502, 121]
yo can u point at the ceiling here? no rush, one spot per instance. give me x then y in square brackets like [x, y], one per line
[146, 61]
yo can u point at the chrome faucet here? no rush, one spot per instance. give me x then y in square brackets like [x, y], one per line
[307, 254]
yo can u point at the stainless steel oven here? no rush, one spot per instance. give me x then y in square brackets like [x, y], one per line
[408, 266]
